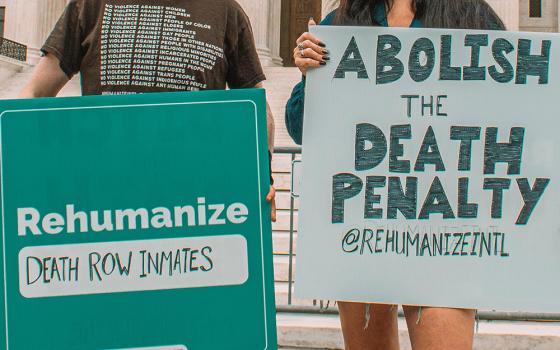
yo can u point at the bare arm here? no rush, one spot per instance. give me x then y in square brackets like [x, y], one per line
[271, 196]
[271, 127]
[47, 80]
[269, 123]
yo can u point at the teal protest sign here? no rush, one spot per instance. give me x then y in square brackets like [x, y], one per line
[441, 183]
[135, 222]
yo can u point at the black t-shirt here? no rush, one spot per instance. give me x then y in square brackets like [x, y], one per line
[129, 46]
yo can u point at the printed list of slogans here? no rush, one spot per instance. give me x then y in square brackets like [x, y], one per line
[154, 46]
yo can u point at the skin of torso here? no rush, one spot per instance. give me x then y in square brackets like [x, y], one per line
[401, 14]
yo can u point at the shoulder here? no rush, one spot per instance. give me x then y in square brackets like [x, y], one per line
[88, 9]
[495, 23]
[233, 7]
[83, 14]
[85, 4]
[491, 20]
[235, 12]
[329, 19]
[76, 5]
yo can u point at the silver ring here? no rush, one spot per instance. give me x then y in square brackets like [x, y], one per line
[301, 49]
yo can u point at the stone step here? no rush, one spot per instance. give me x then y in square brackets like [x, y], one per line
[281, 242]
[282, 268]
[282, 162]
[283, 200]
[283, 221]
[309, 331]
[281, 292]
[282, 181]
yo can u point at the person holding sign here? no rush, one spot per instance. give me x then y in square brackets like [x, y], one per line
[430, 328]
[126, 47]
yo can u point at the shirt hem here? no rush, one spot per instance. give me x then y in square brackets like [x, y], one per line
[250, 83]
[47, 49]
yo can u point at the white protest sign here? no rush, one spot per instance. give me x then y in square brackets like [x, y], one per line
[430, 170]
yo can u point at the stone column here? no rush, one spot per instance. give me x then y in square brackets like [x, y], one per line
[329, 6]
[274, 27]
[259, 14]
[508, 11]
[30, 22]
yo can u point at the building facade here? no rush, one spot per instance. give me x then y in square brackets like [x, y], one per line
[539, 15]
[276, 23]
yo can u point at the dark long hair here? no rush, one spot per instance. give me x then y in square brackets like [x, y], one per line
[452, 14]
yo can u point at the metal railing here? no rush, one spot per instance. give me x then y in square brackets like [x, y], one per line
[323, 307]
[292, 151]
[13, 50]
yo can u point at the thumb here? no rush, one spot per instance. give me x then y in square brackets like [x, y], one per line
[311, 22]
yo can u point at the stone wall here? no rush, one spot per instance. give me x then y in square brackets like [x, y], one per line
[548, 22]
[30, 22]
[329, 5]
[508, 10]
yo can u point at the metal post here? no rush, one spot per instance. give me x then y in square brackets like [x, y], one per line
[290, 265]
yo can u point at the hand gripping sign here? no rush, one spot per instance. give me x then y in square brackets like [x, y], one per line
[441, 184]
[130, 222]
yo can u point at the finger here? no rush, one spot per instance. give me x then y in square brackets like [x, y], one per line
[311, 22]
[309, 53]
[304, 64]
[271, 197]
[271, 194]
[310, 37]
[314, 52]
[308, 63]
[308, 44]
[273, 211]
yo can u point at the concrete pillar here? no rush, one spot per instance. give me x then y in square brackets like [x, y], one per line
[329, 6]
[259, 14]
[30, 22]
[274, 28]
[508, 11]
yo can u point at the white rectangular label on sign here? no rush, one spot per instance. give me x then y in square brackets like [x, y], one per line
[109, 267]
[430, 170]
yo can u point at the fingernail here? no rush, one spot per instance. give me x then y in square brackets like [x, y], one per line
[323, 63]
[326, 52]
[326, 58]
[321, 44]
